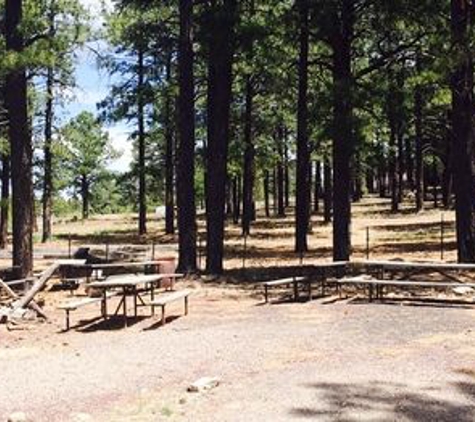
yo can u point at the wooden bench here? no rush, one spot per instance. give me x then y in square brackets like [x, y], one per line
[282, 282]
[164, 299]
[380, 284]
[73, 305]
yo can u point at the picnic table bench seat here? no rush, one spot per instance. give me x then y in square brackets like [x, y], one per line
[380, 284]
[282, 282]
[75, 304]
[164, 299]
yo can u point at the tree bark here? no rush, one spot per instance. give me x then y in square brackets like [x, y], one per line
[169, 153]
[48, 133]
[186, 143]
[85, 197]
[249, 155]
[328, 194]
[5, 201]
[418, 111]
[16, 102]
[141, 139]
[266, 183]
[48, 170]
[286, 173]
[317, 187]
[463, 129]
[302, 210]
[343, 143]
[236, 199]
[220, 62]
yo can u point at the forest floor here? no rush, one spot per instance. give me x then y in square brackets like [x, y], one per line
[403, 360]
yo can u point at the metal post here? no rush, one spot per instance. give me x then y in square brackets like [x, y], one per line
[442, 233]
[367, 242]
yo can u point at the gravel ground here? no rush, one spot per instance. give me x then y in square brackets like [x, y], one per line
[344, 361]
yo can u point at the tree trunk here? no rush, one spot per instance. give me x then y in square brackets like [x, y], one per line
[392, 112]
[85, 197]
[169, 153]
[266, 193]
[48, 132]
[447, 173]
[48, 170]
[141, 139]
[317, 187]
[302, 210]
[286, 173]
[418, 110]
[186, 143]
[249, 155]
[219, 101]
[327, 197]
[5, 201]
[401, 164]
[463, 129]
[343, 143]
[16, 102]
[236, 199]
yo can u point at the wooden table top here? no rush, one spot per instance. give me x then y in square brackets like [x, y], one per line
[420, 265]
[131, 280]
[78, 263]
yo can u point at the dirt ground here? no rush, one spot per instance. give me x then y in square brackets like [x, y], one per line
[348, 360]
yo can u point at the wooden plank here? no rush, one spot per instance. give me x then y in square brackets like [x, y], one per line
[72, 305]
[360, 280]
[37, 286]
[170, 297]
[418, 265]
[131, 280]
[7, 288]
[283, 281]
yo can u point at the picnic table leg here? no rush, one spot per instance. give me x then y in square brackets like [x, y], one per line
[162, 322]
[104, 304]
[309, 290]
[152, 296]
[124, 291]
[186, 305]
[67, 319]
[134, 292]
[266, 293]
[296, 291]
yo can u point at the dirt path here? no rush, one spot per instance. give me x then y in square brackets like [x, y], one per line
[278, 362]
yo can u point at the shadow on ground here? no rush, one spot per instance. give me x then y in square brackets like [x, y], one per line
[387, 401]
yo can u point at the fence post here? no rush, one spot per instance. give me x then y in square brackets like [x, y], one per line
[367, 242]
[442, 233]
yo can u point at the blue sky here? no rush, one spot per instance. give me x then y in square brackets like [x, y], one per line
[92, 87]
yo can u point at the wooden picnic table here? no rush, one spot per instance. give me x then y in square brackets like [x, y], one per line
[129, 285]
[96, 268]
[409, 268]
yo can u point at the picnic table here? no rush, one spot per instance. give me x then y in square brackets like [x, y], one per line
[95, 270]
[130, 285]
[409, 268]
